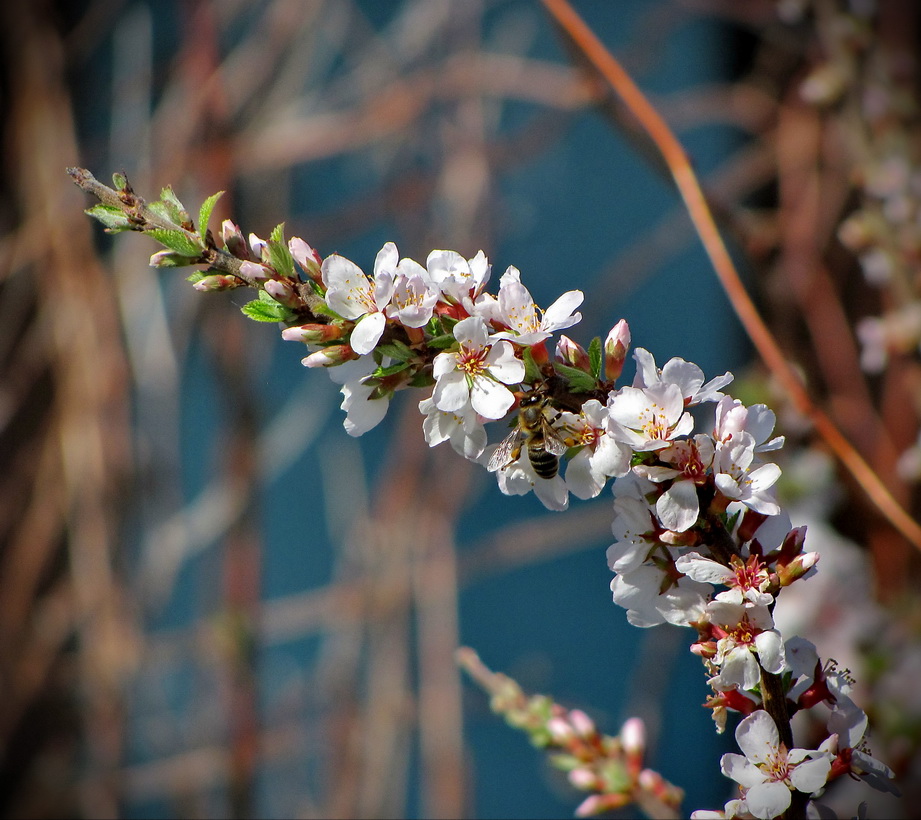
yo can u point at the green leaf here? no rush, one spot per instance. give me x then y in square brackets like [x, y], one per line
[730, 521]
[163, 212]
[566, 762]
[379, 392]
[441, 342]
[397, 350]
[113, 218]
[594, 356]
[199, 275]
[448, 322]
[120, 181]
[383, 372]
[178, 241]
[261, 311]
[539, 736]
[615, 776]
[531, 370]
[325, 310]
[279, 256]
[204, 213]
[175, 210]
[422, 379]
[579, 380]
[641, 458]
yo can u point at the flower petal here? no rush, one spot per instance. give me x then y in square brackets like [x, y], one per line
[810, 775]
[678, 506]
[768, 800]
[367, 333]
[490, 399]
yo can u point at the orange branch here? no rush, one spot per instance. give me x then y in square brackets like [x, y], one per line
[689, 187]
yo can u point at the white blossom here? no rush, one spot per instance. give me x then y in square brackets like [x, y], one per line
[353, 296]
[460, 280]
[362, 412]
[601, 456]
[649, 418]
[516, 309]
[736, 479]
[414, 295]
[767, 771]
[749, 643]
[732, 417]
[744, 580]
[476, 373]
[686, 375]
[640, 592]
[678, 507]
[462, 428]
[519, 478]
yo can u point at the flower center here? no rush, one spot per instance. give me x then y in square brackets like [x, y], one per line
[408, 295]
[743, 633]
[654, 422]
[748, 575]
[472, 361]
[362, 294]
[524, 318]
[588, 435]
[776, 768]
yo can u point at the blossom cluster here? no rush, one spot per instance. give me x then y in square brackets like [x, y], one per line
[612, 769]
[436, 326]
[700, 540]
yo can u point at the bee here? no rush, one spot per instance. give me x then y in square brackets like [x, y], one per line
[534, 433]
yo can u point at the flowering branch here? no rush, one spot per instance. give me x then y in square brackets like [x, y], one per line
[700, 540]
[610, 767]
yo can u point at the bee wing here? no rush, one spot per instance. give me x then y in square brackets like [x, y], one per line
[507, 451]
[553, 442]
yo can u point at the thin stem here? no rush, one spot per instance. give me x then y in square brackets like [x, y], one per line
[689, 187]
[774, 699]
[145, 219]
[136, 209]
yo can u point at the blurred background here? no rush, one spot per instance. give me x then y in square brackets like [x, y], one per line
[213, 602]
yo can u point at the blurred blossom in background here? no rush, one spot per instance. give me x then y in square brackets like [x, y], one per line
[213, 602]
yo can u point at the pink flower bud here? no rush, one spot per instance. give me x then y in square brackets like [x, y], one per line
[259, 247]
[582, 723]
[233, 240]
[591, 805]
[797, 568]
[282, 292]
[306, 257]
[615, 350]
[633, 736]
[703, 649]
[169, 259]
[329, 356]
[573, 354]
[560, 730]
[218, 282]
[583, 778]
[311, 334]
[598, 803]
[255, 271]
[649, 780]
